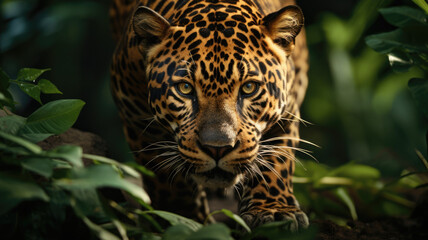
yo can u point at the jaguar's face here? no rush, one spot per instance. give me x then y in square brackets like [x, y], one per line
[218, 82]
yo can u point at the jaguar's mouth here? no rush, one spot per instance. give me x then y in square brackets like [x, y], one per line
[216, 178]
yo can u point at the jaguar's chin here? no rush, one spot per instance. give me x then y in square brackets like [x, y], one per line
[216, 178]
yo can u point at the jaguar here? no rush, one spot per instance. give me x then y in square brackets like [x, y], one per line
[209, 95]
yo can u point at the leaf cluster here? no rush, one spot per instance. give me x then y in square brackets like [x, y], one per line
[27, 80]
[406, 46]
[353, 191]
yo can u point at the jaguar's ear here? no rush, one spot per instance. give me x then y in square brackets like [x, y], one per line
[149, 25]
[284, 25]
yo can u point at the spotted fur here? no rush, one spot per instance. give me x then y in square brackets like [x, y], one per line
[209, 94]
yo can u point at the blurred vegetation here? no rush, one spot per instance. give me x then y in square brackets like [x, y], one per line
[366, 116]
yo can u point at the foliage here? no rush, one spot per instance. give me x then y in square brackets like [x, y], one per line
[52, 182]
[406, 46]
[52, 118]
[354, 190]
[361, 109]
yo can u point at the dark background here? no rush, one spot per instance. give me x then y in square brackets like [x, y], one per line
[360, 110]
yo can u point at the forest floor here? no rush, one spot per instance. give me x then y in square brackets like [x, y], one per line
[413, 228]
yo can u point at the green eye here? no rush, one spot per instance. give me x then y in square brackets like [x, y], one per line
[185, 88]
[249, 88]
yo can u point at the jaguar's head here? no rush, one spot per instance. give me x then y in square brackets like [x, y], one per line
[218, 81]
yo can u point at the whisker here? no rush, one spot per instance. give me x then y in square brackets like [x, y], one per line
[165, 164]
[148, 125]
[160, 144]
[176, 170]
[304, 151]
[290, 138]
[299, 118]
[165, 154]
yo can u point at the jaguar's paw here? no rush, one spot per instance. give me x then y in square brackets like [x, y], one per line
[296, 219]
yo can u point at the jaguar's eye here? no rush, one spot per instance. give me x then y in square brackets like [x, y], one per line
[185, 88]
[249, 88]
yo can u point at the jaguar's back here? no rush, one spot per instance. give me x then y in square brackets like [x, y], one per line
[201, 87]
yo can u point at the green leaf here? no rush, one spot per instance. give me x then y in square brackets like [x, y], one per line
[12, 124]
[88, 202]
[356, 171]
[21, 142]
[212, 232]
[141, 169]
[343, 195]
[41, 166]
[403, 16]
[34, 90]
[30, 74]
[422, 4]
[109, 161]
[48, 87]
[52, 118]
[6, 98]
[235, 217]
[175, 219]
[419, 89]
[99, 231]
[396, 40]
[14, 190]
[31, 90]
[97, 176]
[70, 153]
[177, 232]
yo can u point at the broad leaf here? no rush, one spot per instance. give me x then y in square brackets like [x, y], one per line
[395, 40]
[235, 217]
[6, 98]
[11, 124]
[33, 148]
[41, 166]
[88, 202]
[130, 171]
[419, 89]
[177, 232]
[70, 153]
[14, 190]
[175, 219]
[34, 90]
[99, 231]
[30, 74]
[53, 118]
[404, 16]
[356, 171]
[31, 90]
[97, 176]
[215, 231]
[48, 87]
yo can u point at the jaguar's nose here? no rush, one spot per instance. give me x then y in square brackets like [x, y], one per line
[218, 152]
